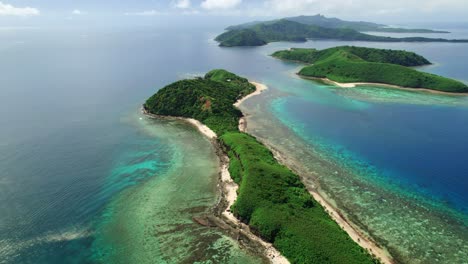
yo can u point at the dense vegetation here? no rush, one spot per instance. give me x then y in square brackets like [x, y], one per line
[272, 199]
[355, 64]
[257, 34]
[207, 99]
[322, 21]
[277, 206]
[243, 37]
[400, 57]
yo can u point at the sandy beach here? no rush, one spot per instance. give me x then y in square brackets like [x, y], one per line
[230, 193]
[202, 128]
[353, 85]
[356, 235]
[260, 87]
[206, 131]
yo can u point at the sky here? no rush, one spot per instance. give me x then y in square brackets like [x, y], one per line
[22, 12]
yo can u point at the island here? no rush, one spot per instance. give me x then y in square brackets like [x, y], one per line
[262, 33]
[332, 22]
[349, 64]
[271, 199]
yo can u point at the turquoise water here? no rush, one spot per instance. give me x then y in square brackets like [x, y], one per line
[152, 222]
[84, 179]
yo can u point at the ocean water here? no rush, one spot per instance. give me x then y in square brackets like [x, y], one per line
[84, 179]
[152, 222]
[394, 161]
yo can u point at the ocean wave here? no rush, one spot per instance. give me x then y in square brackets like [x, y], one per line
[10, 248]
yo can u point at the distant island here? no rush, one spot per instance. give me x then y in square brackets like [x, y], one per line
[300, 29]
[348, 64]
[271, 199]
[326, 22]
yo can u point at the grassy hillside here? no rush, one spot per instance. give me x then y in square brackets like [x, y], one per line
[354, 64]
[399, 57]
[257, 34]
[272, 199]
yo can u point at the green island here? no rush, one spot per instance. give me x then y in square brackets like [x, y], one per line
[348, 64]
[271, 198]
[332, 22]
[262, 33]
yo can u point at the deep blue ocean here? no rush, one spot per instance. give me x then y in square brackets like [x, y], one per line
[71, 140]
[398, 142]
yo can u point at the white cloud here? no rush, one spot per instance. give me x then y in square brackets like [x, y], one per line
[77, 12]
[363, 8]
[220, 4]
[9, 10]
[144, 13]
[182, 4]
[190, 12]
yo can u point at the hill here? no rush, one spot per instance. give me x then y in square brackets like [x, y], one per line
[242, 37]
[271, 200]
[209, 99]
[356, 64]
[257, 34]
[399, 57]
[322, 21]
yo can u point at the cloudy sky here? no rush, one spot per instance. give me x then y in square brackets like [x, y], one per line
[372, 10]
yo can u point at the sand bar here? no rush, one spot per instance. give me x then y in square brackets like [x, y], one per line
[355, 84]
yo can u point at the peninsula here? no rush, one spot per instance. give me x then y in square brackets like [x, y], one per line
[271, 198]
[262, 33]
[348, 64]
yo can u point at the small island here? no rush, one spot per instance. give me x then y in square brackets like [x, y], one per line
[271, 199]
[348, 64]
[298, 30]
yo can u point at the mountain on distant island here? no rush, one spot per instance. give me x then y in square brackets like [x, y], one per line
[326, 22]
[348, 64]
[261, 33]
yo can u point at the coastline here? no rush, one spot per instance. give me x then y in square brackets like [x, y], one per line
[205, 130]
[384, 85]
[346, 225]
[356, 235]
[223, 217]
[229, 194]
[226, 220]
[260, 87]
[230, 191]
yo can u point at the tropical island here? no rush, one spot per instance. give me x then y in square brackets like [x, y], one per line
[349, 64]
[271, 199]
[262, 33]
[332, 22]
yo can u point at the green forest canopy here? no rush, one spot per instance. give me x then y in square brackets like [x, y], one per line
[272, 199]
